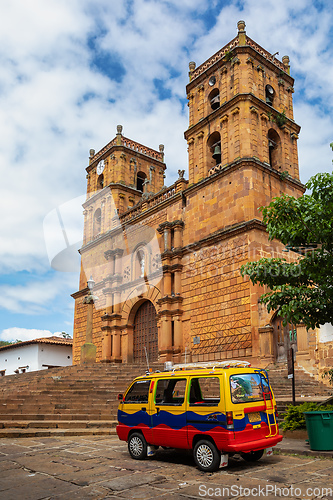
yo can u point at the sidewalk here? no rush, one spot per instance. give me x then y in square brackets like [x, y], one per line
[300, 447]
[100, 467]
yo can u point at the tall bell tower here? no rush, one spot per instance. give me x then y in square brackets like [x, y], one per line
[240, 107]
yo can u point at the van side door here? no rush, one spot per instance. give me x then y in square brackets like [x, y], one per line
[206, 407]
[168, 412]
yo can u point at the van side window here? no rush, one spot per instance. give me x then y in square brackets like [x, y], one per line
[205, 391]
[170, 391]
[138, 393]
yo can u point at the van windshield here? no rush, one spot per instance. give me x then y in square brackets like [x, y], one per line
[247, 387]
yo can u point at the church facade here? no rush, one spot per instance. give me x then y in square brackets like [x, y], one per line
[166, 260]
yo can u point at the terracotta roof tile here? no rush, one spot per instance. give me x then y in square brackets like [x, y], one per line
[43, 340]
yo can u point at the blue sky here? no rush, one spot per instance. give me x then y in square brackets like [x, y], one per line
[71, 70]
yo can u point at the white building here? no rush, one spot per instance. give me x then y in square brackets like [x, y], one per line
[37, 354]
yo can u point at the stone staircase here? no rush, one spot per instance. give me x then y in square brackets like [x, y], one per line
[72, 400]
[80, 400]
[307, 388]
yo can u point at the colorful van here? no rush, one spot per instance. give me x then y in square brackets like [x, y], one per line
[215, 409]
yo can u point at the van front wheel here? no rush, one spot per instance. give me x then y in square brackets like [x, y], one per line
[137, 446]
[253, 456]
[206, 456]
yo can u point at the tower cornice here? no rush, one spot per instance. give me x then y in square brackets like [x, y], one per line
[203, 71]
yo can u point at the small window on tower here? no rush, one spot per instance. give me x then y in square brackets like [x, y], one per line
[100, 182]
[214, 99]
[140, 179]
[269, 94]
[214, 148]
[274, 149]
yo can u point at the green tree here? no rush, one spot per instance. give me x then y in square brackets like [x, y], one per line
[303, 289]
[5, 342]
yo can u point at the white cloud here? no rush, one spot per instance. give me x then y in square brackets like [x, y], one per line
[37, 296]
[15, 333]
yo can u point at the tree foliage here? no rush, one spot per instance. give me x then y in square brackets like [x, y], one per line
[303, 289]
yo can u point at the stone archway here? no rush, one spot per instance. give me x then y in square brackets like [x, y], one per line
[145, 333]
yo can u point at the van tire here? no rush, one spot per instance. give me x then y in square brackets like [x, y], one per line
[252, 456]
[206, 456]
[137, 446]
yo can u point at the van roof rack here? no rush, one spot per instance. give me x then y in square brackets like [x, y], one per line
[232, 363]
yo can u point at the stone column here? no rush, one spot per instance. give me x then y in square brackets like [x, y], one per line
[118, 252]
[167, 237]
[166, 281]
[254, 130]
[261, 85]
[199, 175]
[85, 226]
[224, 140]
[264, 134]
[178, 335]
[165, 341]
[190, 148]
[178, 280]
[224, 85]
[116, 347]
[178, 227]
[236, 119]
[201, 102]
[190, 104]
[88, 350]
[106, 348]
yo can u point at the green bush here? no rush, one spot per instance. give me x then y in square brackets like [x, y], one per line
[294, 418]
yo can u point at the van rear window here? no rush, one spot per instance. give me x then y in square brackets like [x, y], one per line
[247, 387]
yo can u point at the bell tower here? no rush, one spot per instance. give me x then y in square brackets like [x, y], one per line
[240, 107]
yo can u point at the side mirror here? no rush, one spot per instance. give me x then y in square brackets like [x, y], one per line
[120, 397]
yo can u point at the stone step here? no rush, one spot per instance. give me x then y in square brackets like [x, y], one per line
[38, 432]
[57, 416]
[57, 424]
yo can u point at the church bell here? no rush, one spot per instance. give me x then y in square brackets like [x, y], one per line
[217, 154]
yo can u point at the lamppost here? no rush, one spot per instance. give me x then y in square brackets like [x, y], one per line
[88, 350]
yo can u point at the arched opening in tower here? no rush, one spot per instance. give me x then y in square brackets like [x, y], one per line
[214, 150]
[274, 149]
[140, 179]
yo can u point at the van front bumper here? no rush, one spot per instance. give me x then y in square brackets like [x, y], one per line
[122, 431]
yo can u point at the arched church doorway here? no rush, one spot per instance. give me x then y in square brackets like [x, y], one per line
[145, 333]
[284, 337]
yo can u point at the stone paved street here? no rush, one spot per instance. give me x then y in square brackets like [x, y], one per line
[98, 467]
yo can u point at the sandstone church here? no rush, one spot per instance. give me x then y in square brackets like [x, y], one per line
[166, 260]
